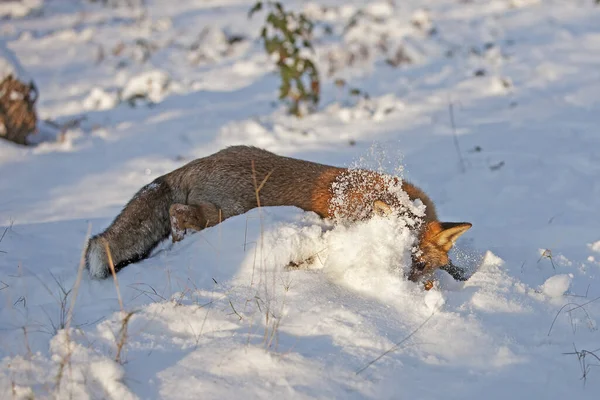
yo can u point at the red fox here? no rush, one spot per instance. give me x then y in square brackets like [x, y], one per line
[237, 179]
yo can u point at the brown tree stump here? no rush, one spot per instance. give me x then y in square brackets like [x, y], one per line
[18, 118]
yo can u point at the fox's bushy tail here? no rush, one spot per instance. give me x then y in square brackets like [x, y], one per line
[139, 228]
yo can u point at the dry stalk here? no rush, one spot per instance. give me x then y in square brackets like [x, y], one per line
[395, 346]
[122, 336]
[584, 364]
[125, 322]
[66, 361]
[113, 272]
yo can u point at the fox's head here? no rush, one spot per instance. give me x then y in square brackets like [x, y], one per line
[435, 240]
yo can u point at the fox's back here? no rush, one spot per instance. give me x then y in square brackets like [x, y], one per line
[208, 190]
[230, 178]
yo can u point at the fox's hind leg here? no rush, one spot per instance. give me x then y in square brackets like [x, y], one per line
[196, 217]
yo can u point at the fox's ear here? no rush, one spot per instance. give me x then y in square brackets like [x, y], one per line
[450, 232]
[381, 208]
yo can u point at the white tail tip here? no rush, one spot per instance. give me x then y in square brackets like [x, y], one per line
[96, 261]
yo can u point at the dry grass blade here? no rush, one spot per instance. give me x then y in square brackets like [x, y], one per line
[67, 358]
[265, 180]
[4, 234]
[234, 310]
[114, 273]
[577, 306]
[258, 187]
[584, 364]
[396, 346]
[78, 280]
[123, 336]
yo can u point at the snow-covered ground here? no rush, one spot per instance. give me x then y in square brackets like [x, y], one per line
[220, 314]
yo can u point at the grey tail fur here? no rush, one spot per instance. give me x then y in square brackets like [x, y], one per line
[135, 232]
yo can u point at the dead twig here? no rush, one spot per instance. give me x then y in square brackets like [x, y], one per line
[234, 311]
[584, 364]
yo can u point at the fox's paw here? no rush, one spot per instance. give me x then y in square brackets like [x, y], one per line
[194, 217]
[176, 233]
[177, 214]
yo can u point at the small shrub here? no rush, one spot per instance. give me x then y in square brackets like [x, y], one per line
[287, 35]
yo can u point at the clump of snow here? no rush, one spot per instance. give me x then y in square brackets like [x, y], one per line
[379, 249]
[100, 99]
[151, 85]
[595, 247]
[557, 285]
[499, 85]
[421, 19]
[19, 8]
[379, 9]
[434, 300]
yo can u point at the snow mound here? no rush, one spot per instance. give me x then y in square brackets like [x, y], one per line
[100, 99]
[73, 370]
[370, 257]
[367, 256]
[358, 254]
[149, 85]
[19, 8]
